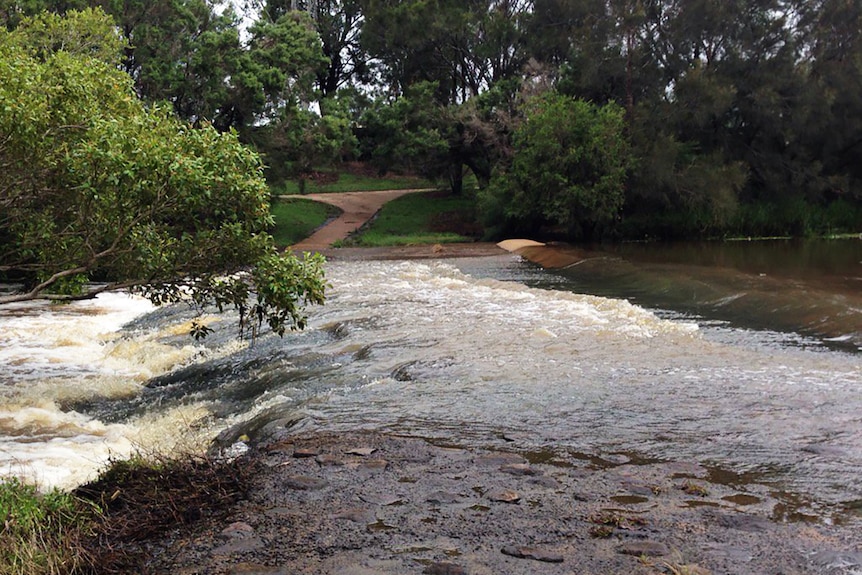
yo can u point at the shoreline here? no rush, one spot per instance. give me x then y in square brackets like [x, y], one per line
[368, 503]
[425, 251]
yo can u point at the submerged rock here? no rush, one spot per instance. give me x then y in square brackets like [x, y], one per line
[532, 553]
[444, 569]
[519, 469]
[643, 549]
[304, 483]
[504, 496]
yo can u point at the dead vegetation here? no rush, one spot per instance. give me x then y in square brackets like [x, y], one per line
[141, 500]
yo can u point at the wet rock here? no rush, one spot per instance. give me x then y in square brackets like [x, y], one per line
[616, 458]
[443, 498]
[375, 465]
[846, 560]
[543, 481]
[825, 450]
[444, 569]
[681, 469]
[643, 548]
[304, 483]
[519, 469]
[306, 453]
[743, 522]
[500, 458]
[629, 499]
[383, 500]
[253, 569]
[532, 553]
[640, 488]
[239, 546]
[357, 515]
[690, 569]
[237, 530]
[240, 537]
[327, 460]
[514, 437]
[742, 499]
[361, 451]
[503, 496]
[380, 525]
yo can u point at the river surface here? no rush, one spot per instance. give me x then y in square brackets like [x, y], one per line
[716, 353]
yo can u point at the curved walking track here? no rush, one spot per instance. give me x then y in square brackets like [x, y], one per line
[356, 209]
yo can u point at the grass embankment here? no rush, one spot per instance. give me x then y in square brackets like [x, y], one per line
[101, 528]
[414, 219]
[335, 182]
[296, 219]
[421, 218]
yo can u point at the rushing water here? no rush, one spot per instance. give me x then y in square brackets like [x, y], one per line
[484, 351]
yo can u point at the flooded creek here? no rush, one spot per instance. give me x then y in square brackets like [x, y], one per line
[477, 352]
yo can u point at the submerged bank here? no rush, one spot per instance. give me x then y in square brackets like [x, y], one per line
[376, 504]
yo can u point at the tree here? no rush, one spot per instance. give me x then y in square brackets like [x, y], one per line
[832, 65]
[301, 140]
[95, 186]
[406, 133]
[338, 23]
[568, 172]
[463, 47]
[13, 11]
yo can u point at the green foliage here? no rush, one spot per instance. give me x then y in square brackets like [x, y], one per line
[84, 33]
[285, 285]
[727, 104]
[338, 24]
[407, 133]
[104, 526]
[568, 171]
[285, 57]
[301, 139]
[98, 186]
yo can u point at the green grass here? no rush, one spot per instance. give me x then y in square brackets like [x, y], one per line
[347, 182]
[40, 532]
[103, 527]
[297, 219]
[421, 218]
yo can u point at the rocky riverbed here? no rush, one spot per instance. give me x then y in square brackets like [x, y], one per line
[372, 504]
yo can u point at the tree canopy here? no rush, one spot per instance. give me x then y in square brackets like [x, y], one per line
[741, 116]
[569, 170]
[96, 186]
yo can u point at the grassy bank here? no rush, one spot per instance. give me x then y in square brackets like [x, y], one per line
[421, 218]
[413, 219]
[296, 219]
[101, 528]
[44, 532]
[335, 182]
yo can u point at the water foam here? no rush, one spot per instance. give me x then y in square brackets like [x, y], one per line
[55, 356]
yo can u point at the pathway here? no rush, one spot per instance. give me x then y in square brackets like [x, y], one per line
[357, 208]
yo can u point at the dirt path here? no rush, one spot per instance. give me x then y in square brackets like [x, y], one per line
[357, 208]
